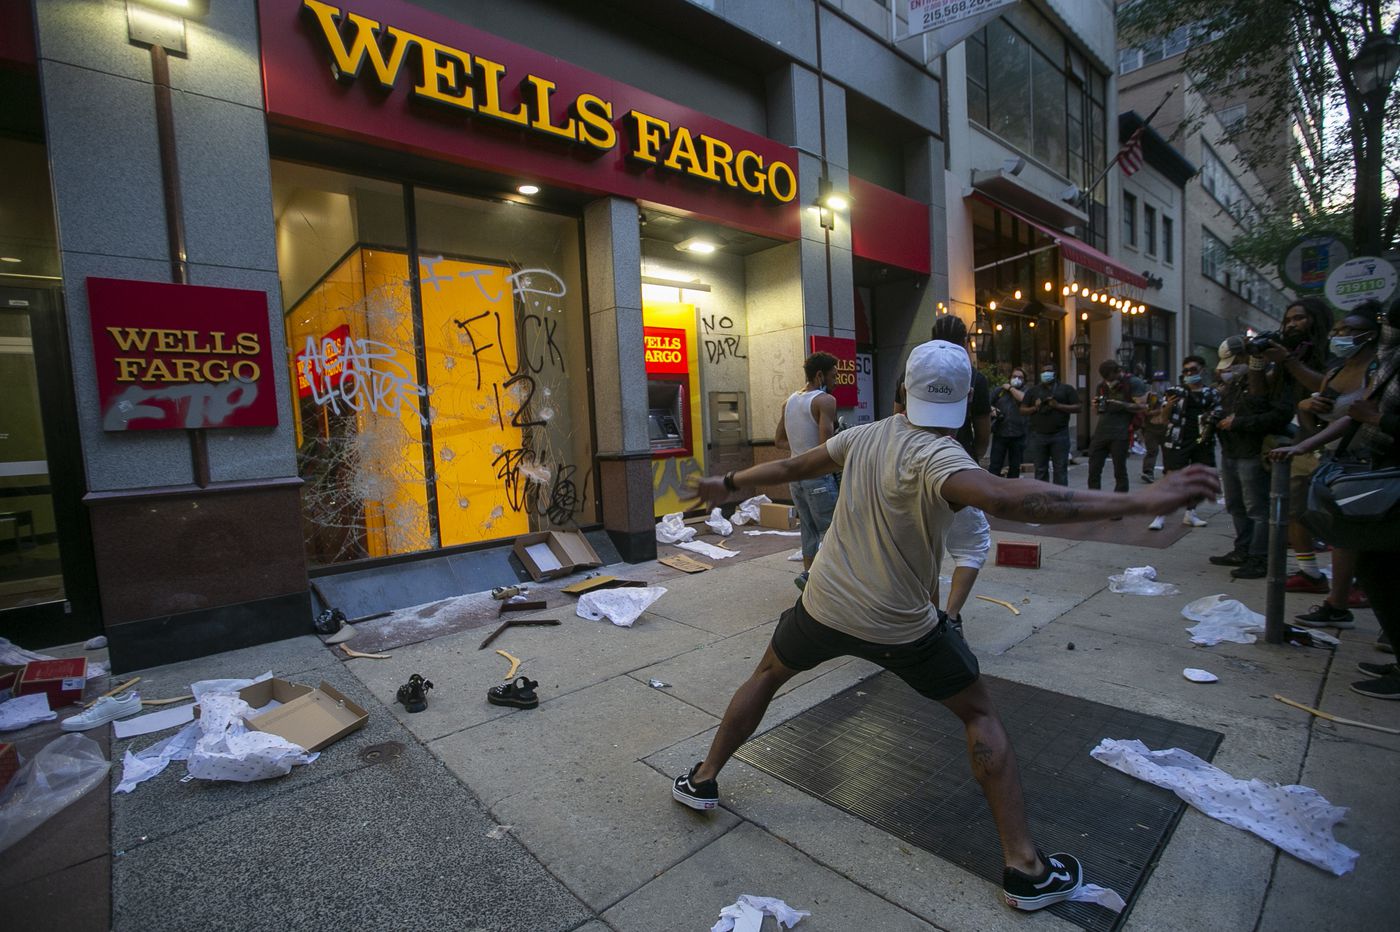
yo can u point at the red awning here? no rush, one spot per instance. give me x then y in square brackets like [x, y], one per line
[1076, 250]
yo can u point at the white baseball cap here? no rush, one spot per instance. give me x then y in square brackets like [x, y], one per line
[937, 382]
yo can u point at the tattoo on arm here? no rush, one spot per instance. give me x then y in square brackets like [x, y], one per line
[982, 759]
[1049, 506]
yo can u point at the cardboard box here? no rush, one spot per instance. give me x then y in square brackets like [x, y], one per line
[9, 676]
[310, 718]
[1018, 553]
[781, 517]
[63, 680]
[9, 763]
[549, 554]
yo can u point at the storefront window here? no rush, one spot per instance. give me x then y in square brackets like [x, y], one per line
[436, 409]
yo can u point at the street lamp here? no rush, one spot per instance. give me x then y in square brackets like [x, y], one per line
[981, 336]
[1375, 65]
[1080, 348]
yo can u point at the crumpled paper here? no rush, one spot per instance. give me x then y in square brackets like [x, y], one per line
[746, 914]
[672, 530]
[1295, 818]
[1139, 580]
[795, 557]
[1219, 618]
[719, 524]
[23, 711]
[707, 550]
[228, 750]
[1102, 896]
[12, 655]
[620, 606]
[747, 512]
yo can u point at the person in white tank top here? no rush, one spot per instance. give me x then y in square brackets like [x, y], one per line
[807, 420]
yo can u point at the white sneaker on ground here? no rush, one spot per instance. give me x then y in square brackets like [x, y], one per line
[107, 709]
[1157, 523]
[1190, 519]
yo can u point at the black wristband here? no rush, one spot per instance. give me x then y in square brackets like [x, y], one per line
[729, 481]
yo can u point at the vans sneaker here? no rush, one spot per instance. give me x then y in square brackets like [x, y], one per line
[702, 794]
[1057, 883]
[1377, 669]
[1385, 687]
[1327, 616]
[107, 709]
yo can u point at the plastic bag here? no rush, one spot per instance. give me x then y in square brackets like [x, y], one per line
[672, 530]
[1139, 580]
[228, 750]
[747, 512]
[620, 606]
[58, 776]
[717, 523]
[1219, 618]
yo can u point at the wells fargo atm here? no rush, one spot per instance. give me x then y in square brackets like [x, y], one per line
[674, 417]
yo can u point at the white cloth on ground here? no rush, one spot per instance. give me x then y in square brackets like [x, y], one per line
[1219, 618]
[748, 511]
[620, 606]
[746, 914]
[1295, 818]
[708, 550]
[671, 529]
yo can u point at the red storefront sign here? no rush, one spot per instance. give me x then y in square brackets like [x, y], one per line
[393, 75]
[181, 356]
[665, 351]
[845, 352]
[319, 376]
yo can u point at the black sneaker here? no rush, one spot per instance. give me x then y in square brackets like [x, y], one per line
[1326, 616]
[1145, 479]
[1251, 568]
[1383, 644]
[1057, 883]
[1385, 687]
[702, 795]
[1233, 558]
[1377, 669]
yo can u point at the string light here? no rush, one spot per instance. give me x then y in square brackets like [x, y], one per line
[1049, 286]
[1074, 287]
[1031, 324]
[1084, 315]
[1017, 295]
[992, 305]
[998, 328]
[1065, 291]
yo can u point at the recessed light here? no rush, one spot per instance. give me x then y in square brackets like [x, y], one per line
[10, 259]
[528, 189]
[697, 244]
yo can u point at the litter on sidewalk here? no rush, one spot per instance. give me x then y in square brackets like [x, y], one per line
[620, 606]
[746, 914]
[773, 533]
[23, 711]
[1336, 718]
[1140, 580]
[152, 722]
[1196, 675]
[671, 529]
[707, 550]
[748, 510]
[1219, 618]
[685, 564]
[59, 775]
[1295, 818]
[717, 523]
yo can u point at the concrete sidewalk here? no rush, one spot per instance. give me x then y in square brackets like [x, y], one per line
[391, 827]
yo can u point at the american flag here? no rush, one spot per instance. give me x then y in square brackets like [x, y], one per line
[1129, 157]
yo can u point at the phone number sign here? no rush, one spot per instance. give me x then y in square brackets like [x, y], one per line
[1356, 281]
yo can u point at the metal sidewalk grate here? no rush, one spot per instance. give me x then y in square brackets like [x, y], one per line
[887, 755]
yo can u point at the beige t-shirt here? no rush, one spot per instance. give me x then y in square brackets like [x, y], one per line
[872, 576]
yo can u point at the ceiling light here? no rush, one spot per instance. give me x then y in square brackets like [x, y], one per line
[1031, 324]
[528, 189]
[697, 244]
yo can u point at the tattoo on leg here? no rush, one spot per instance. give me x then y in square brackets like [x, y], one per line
[982, 755]
[1039, 506]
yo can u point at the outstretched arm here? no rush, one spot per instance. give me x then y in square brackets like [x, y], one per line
[1043, 503]
[711, 490]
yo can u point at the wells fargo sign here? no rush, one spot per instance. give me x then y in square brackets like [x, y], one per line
[402, 77]
[665, 350]
[180, 356]
[845, 389]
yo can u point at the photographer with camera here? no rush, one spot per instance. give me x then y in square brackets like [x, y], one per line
[1188, 413]
[1047, 407]
[1008, 427]
[1153, 433]
[1247, 418]
[1118, 399]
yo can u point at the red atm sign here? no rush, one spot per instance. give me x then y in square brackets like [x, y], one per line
[665, 351]
[181, 356]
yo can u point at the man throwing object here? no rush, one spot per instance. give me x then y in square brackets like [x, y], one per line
[867, 597]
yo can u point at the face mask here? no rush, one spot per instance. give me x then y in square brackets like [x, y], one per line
[1342, 346]
[1047, 377]
[1017, 383]
[1193, 379]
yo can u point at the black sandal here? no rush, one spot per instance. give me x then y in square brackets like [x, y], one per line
[520, 694]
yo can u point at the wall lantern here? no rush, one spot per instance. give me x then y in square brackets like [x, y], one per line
[830, 201]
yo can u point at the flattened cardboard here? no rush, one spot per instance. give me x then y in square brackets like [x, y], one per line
[600, 582]
[550, 554]
[780, 517]
[684, 563]
[310, 718]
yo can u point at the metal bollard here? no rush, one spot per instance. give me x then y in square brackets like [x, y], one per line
[1274, 626]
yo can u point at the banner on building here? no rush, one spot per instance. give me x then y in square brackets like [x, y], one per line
[948, 22]
[845, 352]
[865, 388]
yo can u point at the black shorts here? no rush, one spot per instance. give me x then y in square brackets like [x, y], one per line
[1173, 459]
[938, 665]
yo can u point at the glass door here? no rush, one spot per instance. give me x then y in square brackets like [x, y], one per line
[46, 593]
